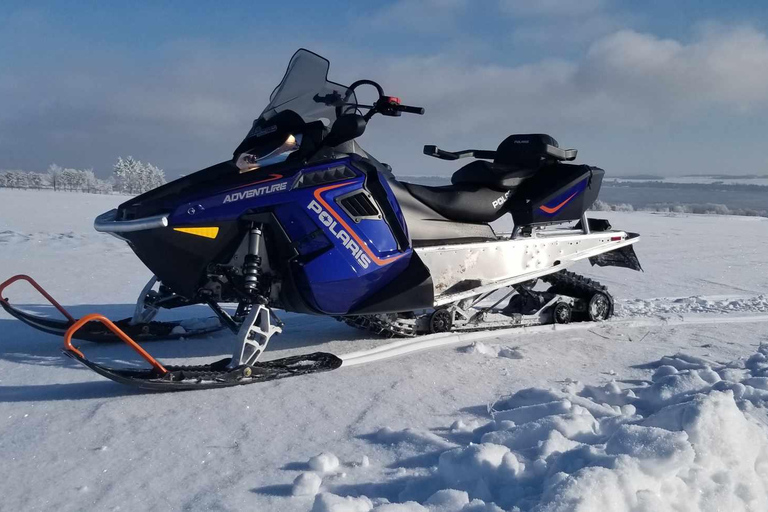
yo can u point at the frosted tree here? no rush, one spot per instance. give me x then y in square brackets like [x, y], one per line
[155, 177]
[36, 180]
[15, 179]
[134, 177]
[54, 175]
[127, 175]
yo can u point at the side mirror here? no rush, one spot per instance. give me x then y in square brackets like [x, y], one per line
[346, 128]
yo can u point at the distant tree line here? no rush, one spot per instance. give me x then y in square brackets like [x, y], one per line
[717, 185]
[129, 176]
[698, 208]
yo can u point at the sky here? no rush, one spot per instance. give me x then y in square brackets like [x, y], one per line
[652, 87]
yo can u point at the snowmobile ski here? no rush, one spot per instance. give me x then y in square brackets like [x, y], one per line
[143, 331]
[216, 375]
[224, 373]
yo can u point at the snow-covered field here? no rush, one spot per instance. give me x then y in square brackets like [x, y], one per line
[661, 408]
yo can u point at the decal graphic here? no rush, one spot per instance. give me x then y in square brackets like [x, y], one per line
[360, 243]
[552, 209]
[255, 192]
[209, 232]
[500, 201]
[340, 233]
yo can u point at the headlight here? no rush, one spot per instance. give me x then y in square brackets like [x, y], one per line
[259, 157]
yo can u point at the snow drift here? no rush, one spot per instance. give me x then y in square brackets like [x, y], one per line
[685, 440]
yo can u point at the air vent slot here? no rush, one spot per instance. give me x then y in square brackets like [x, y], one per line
[359, 205]
[330, 175]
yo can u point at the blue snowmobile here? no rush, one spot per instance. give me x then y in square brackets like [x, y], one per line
[303, 219]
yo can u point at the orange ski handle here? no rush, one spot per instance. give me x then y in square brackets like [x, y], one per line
[95, 317]
[22, 277]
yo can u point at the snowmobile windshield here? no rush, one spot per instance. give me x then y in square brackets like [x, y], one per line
[305, 90]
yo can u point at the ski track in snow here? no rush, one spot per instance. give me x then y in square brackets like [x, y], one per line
[696, 304]
[584, 421]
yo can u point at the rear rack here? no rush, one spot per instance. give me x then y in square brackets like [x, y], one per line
[555, 152]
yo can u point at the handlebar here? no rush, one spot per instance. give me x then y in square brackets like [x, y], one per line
[385, 105]
[410, 110]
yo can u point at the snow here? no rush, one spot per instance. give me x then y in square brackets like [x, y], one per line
[680, 442]
[661, 408]
[324, 462]
[328, 502]
[306, 484]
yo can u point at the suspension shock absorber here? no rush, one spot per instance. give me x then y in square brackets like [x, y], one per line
[252, 263]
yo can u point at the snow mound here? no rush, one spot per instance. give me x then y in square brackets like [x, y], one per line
[484, 349]
[685, 440]
[324, 462]
[327, 502]
[306, 484]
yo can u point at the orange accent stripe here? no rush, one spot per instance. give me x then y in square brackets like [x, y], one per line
[349, 230]
[272, 177]
[556, 208]
[95, 317]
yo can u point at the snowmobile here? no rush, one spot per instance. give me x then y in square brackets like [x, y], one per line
[302, 219]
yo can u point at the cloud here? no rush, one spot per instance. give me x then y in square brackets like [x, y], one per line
[627, 85]
[566, 8]
[424, 16]
[639, 76]
[186, 107]
[560, 33]
[188, 103]
[727, 68]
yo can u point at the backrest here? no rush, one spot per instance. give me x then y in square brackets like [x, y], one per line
[518, 157]
[525, 150]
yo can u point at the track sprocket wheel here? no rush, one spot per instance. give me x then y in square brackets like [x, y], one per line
[599, 307]
[562, 313]
[441, 321]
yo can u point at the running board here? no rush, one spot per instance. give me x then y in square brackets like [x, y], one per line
[466, 270]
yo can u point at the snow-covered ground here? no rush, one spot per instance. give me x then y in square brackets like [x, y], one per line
[660, 408]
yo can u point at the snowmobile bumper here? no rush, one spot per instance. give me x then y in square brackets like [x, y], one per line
[107, 223]
[162, 377]
[94, 332]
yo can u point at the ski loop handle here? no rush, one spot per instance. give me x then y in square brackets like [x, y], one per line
[95, 317]
[40, 289]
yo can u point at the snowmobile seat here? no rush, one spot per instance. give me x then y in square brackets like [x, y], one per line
[462, 203]
[517, 158]
[480, 189]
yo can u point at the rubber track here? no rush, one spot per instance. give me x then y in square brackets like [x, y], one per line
[374, 325]
[573, 285]
[562, 283]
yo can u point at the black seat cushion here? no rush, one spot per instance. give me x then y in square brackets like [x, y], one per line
[525, 150]
[492, 175]
[462, 203]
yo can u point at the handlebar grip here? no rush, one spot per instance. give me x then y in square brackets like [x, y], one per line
[411, 110]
